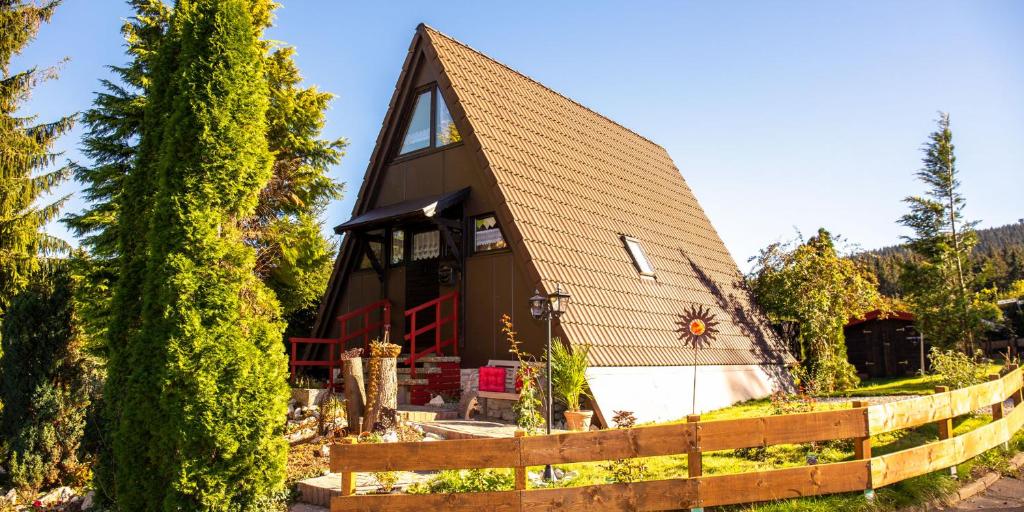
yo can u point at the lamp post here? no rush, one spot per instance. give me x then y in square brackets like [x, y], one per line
[549, 307]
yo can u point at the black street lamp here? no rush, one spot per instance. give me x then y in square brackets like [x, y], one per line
[548, 307]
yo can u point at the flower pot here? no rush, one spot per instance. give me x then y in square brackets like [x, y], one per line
[578, 420]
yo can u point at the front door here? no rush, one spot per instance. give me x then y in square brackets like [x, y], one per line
[421, 283]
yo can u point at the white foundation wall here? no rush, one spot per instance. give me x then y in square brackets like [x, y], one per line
[665, 393]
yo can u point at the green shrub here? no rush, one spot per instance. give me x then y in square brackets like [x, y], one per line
[467, 480]
[956, 369]
[46, 383]
[527, 408]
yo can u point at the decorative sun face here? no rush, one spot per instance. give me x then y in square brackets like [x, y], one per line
[697, 326]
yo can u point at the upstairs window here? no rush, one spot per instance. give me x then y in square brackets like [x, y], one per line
[417, 135]
[643, 265]
[430, 125]
[487, 234]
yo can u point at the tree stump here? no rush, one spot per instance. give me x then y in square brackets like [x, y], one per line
[355, 392]
[382, 391]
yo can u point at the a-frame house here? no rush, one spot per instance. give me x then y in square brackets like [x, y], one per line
[485, 186]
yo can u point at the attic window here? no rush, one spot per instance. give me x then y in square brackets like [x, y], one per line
[431, 124]
[643, 265]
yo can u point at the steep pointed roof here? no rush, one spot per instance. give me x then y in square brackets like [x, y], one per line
[570, 182]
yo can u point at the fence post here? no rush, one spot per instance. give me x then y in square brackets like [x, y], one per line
[695, 459]
[348, 478]
[946, 426]
[862, 445]
[520, 470]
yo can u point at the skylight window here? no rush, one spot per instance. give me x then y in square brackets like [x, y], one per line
[431, 124]
[643, 265]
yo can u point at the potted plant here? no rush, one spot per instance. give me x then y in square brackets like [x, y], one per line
[569, 382]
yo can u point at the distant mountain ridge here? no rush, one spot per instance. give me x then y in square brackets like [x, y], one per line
[998, 258]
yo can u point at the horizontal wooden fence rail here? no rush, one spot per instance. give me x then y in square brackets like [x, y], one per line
[694, 438]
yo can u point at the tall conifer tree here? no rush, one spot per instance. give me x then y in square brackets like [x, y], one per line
[25, 154]
[202, 409]
[940, 285]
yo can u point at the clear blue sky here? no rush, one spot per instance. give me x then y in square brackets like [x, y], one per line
[779, 114]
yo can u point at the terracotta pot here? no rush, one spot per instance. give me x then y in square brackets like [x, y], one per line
[578, 420]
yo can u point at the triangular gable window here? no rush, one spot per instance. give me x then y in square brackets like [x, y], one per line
[446, 132]
[431, 124]
[417, 135]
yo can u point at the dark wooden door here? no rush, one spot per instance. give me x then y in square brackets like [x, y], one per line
[421, 286]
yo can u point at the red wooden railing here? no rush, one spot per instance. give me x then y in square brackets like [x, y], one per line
[436, 326]
[335, 346]
[331, 362]
[368, 328]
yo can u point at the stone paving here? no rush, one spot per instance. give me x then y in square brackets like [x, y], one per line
[1005, 495]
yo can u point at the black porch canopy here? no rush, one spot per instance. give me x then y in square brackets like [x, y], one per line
[423, 207]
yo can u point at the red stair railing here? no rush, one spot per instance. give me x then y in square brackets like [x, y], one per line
[368, 328]
[335, 346]
[414, 332]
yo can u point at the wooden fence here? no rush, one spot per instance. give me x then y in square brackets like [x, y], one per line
[694, 438]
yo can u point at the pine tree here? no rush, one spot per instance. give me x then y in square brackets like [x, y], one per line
[25, 154]
[940, 284]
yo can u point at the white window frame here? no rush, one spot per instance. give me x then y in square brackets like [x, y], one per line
[638, 255]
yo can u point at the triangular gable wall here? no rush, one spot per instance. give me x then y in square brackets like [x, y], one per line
[566, 184]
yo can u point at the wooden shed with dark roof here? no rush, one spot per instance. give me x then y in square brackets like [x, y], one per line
[485, 186]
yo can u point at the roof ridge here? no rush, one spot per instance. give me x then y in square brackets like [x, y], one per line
[433, 30]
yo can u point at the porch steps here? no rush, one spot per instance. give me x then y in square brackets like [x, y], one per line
[419, 371]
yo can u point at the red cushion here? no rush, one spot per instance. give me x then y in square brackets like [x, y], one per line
[492, 379]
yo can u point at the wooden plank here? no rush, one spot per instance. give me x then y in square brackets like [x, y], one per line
[894, 467]
[608, 444]
[507, 501]
[418, 456]
[945, 425]
[498, 395]
[997, 406]
[673, 494]
[982, 439]
[1015, 420]
[784, 429]
[908, 413]
[784, 483]
[969, 399]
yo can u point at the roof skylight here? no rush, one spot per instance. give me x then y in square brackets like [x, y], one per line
[643, 265]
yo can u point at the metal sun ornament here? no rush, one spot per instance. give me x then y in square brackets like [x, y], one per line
[697, 327]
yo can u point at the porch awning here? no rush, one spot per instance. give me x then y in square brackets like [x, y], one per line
[424, 207]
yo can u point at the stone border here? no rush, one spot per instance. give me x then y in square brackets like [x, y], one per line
[970, 489]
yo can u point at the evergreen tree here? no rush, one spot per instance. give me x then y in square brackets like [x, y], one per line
[200, 420]
[293, 256]
[47, 384]
[940, 283]
[25, 154]
[813, 286]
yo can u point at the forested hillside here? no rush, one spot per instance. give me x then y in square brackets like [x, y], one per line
[998, 259]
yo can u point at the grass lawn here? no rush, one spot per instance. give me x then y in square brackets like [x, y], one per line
[914, 385]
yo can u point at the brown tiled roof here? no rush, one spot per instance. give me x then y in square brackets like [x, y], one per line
[572, 182]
